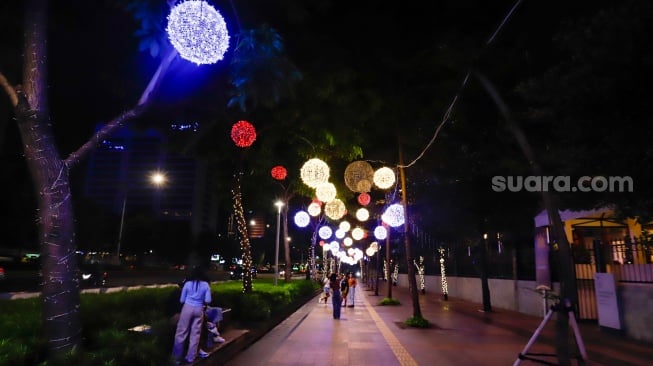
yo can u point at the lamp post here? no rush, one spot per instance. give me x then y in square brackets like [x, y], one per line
[279, 204]
[157, 179]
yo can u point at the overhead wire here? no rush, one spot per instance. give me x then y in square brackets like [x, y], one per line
[448, 112]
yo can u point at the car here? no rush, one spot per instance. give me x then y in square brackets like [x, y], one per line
[93, 275]
[236, 273]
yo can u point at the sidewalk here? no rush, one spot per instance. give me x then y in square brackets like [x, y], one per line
[369, 334]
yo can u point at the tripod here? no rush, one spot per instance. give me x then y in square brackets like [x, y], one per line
[582, 358]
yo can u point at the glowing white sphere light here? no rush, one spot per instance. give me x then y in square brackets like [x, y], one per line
[357, 233]
[314, 209]
[340, 234]
[344, 226]
[384, 178]
[198, 32]
[362, 214]
[380, 233]
[325, 232]
[325, 192]
[394, 215]
[302, 219]
[314, 172]
[348, 241]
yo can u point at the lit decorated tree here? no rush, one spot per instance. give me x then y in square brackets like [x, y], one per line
[50, 173]
[243, 135]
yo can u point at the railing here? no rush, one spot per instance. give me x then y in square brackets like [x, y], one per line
[629, 260]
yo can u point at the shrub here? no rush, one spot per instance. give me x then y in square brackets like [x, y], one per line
[417, 322]
[389, 301]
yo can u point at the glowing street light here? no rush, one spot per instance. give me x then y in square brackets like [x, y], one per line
[157, 179]
[279, 204]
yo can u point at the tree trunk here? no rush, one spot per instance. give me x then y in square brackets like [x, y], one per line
[412, 283]
[286, 245]
[241, 223]
[559, 245]
[60, 288]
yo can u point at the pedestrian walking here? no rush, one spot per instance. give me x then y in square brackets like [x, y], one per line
[344, 289]
[195, 295]
[351, 294]
[336, 299]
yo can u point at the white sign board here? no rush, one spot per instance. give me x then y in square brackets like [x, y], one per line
[606, 300]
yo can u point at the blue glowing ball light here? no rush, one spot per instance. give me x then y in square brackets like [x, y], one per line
[198, 32]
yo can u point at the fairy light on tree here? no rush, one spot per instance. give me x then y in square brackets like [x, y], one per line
[420, 271]
[198, 32]
[243, 134]
[395, 274]
[443, 275]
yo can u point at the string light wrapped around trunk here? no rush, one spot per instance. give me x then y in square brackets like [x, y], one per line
[198, 32]
[243, 134]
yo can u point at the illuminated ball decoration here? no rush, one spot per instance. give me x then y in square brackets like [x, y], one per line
[302, 219]
[335, 209]
[243, 134]
[364, 199]
[394, 215]
[198, 32]
[362, 214]
[314, 209]
[344, 226]
[384, 178]
[325, 192]
[374, 246]
[347, 241]
[325, 232]
[340, 234]
[358, 233]
[380, 232]
[314, 172]
[358, 176]
[279, 173]
[370, 252]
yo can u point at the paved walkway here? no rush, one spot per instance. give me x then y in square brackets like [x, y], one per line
[370, 334]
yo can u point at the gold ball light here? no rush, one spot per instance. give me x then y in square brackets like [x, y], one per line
[384, 178]
[358, 176]
[325, 192]
[314, 172]
[357, 233]
[335, 209]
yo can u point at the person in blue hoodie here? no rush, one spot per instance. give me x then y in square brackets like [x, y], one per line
[195, 295]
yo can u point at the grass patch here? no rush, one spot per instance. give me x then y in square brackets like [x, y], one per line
[106, 318]
[389, 301]
[417, 322]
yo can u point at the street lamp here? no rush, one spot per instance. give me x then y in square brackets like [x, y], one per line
[157, 179]
[279, 204]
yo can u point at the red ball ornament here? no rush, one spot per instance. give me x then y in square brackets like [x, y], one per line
[243, 134]
[364, 199]
[321, 243]
[279, 172]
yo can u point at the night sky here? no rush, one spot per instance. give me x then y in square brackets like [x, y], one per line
[96, 70]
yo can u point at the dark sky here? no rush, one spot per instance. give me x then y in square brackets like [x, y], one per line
[96, 70]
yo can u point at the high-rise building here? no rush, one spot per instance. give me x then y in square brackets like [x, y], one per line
[119, 171]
